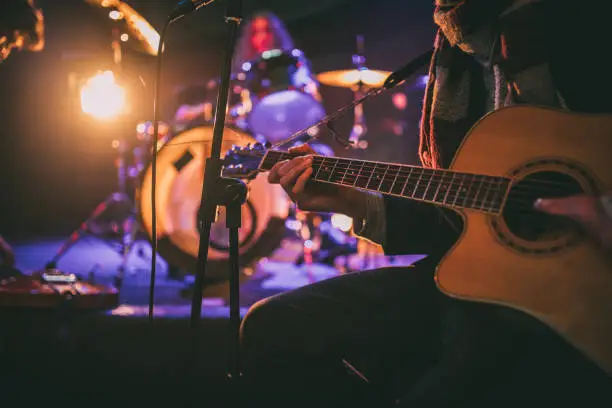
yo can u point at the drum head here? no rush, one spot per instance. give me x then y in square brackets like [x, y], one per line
[279, 115]
[284, 95]
[178, 194]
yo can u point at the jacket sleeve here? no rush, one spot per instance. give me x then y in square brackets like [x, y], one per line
[414, 227]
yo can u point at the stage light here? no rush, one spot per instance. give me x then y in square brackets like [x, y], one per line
[102, 97]
[115, 15]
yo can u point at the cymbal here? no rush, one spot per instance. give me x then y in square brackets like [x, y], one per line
[352, 77]
[136, 25]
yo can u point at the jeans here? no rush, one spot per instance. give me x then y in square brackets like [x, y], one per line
[388, 337]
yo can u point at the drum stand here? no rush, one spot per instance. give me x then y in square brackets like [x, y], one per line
[124, 224]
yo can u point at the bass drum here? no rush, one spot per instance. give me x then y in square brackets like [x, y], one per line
[179, 188]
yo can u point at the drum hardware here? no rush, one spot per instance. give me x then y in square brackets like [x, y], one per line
[115, 216]
[282, 96]
[358, 80]
[394, 79]
[359, 126]
[119, 208]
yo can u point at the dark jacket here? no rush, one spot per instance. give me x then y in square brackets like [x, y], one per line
[581, 74]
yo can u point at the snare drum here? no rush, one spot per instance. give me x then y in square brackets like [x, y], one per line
[179, 188]
[283, 95]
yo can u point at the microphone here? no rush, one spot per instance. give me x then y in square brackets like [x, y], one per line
[185, 7]
[407, 70]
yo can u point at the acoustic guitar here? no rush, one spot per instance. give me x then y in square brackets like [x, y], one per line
[508, 253]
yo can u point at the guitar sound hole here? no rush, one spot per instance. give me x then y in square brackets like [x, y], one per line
[524, 221]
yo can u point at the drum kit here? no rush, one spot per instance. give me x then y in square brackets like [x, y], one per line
[271, 97]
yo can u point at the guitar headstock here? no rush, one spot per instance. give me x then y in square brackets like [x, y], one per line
[243, 161]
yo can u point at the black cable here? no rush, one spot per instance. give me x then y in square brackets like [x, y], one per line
[156, 101]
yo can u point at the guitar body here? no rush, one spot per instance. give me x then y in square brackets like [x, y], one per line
[558, 276]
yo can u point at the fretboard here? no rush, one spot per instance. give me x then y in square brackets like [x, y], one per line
[443, 187]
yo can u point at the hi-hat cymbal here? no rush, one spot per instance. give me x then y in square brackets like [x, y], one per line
[136, 25]
[352, 77]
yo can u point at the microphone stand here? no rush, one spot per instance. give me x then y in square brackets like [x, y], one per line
[219, 191]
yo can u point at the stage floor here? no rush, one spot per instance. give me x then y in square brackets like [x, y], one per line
[274, 274]
[119, 356]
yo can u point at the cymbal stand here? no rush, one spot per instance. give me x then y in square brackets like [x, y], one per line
[359, 91]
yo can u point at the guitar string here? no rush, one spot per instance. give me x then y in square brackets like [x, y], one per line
[523, 182]
[408, 168]
[441, 182]
[451, 197]
[367, 169]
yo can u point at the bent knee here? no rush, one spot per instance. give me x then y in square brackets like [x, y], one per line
[256, 323]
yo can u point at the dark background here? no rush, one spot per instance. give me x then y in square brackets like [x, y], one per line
[56, 164]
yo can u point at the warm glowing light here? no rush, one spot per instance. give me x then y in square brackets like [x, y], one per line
[147, 32]
[342, 222]
[124, 37]
[102, 97]
[115, 15]
[400, 101]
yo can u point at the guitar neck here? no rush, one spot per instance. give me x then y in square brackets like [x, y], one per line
[437, 186]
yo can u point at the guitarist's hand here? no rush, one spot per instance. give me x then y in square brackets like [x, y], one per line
[589, 211]
[293, 175]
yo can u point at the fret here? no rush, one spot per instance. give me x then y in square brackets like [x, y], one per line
[324, 172]
[350, 176]
[443, 187]
[471, 191]
[387, 183]
[487, 189]
[374, 180]
[419, 188]
[434, 183]
[450, 187]
[331, 173]
[362, 179]
[397, 173]
[382, 179]
[478, 191]
[461, 190]
[401, 182]
[498, 194]
[358, 168]
[339, 171]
